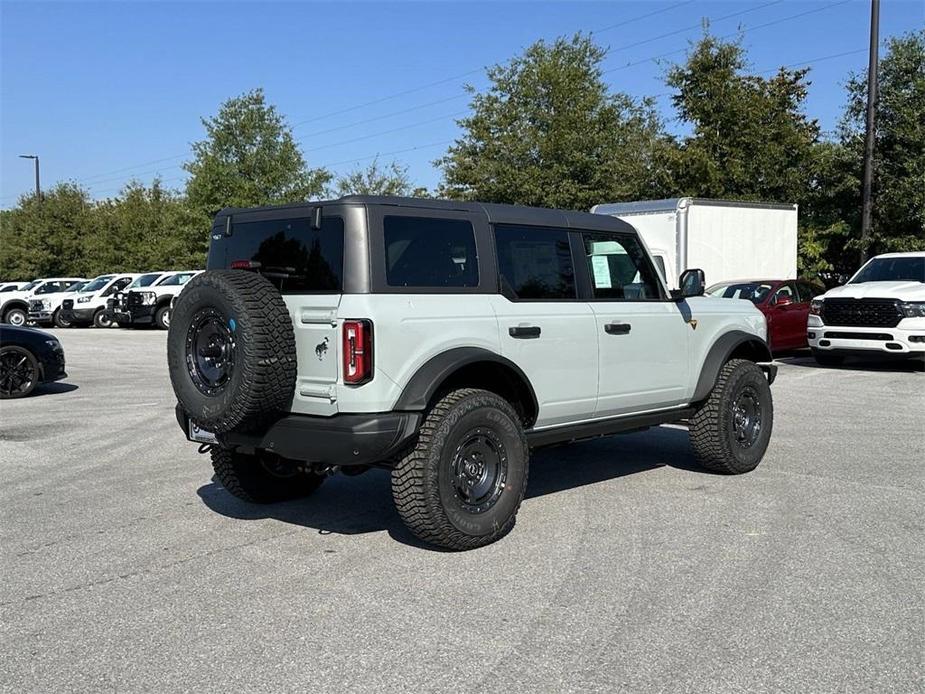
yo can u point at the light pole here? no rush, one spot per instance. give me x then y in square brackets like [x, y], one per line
[38, 187]
[870, 135]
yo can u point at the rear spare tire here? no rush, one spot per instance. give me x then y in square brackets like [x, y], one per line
[231, 351]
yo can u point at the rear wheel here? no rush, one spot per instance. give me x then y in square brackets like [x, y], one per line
[462, 484]
[101, 319]
[828, 359]
[59, 320]
[730, 432]
[19, 372]
[15, 316]
[262, 478]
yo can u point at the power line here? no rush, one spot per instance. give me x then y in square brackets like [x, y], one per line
[727, 36]
[91, 180]
[697, 26]
[388, 97]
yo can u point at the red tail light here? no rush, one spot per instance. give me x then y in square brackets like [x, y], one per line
[245, 265]
[358, 351]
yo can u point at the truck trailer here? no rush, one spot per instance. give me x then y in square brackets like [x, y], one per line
[726, 239]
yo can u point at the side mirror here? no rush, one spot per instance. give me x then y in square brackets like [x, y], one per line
[692, 283]
[782, 301]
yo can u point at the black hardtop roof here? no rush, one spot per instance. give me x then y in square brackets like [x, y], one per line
[496, 213]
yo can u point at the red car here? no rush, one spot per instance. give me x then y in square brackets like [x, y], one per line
[784, 303]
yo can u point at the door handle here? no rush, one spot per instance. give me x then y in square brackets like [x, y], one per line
[617, 328]
[524, 331]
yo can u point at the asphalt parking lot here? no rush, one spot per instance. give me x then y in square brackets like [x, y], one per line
[125, 568]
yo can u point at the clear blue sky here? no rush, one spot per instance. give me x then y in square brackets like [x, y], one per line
[96, 88]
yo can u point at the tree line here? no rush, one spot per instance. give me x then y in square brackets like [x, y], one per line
[547, 131]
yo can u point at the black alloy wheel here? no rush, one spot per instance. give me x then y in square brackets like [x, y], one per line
[19, 372]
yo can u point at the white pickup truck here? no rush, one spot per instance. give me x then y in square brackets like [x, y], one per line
[879, 313]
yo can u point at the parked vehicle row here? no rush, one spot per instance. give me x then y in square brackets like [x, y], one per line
[124, 299]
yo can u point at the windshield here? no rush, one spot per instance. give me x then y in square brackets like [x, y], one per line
[753, 291]
[894, 269]
[98, 283]
[178, 279]
[31, 285]
[144, 280]
[77, 286]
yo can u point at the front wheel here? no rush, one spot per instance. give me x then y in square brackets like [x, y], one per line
[730, 432]
[262, 478]
[462, 484]
[60, 321]
[162, 318]
[15, 316]
[101, 319]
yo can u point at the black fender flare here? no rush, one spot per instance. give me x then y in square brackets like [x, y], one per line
[720, 352]
[426, 381]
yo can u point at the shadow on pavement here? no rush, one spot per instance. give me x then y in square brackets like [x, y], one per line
[54, 389]
[354, 505]
[872, 364]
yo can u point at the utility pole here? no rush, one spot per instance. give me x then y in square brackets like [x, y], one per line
[872, 96]
[38, 186]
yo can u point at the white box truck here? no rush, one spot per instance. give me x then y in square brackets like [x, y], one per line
[727, 240]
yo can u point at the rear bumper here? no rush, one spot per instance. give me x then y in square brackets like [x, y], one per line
[344, 439]
[905, 341]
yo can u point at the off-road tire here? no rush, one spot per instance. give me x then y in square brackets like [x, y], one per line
[59, 322]
[246, 477]
[101, 320]
[262, 380]
[422, 481]
[711, 428]
[828, 359]
[162, 318]
[16, 316]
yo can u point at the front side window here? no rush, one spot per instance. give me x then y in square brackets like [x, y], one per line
[785, 292]
[178, 279]
[430, 252]
[289, 253]
[619, 268]
[535, 263]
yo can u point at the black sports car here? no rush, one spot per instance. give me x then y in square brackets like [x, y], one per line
[28, 357]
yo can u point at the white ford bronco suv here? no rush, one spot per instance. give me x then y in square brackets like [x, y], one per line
[879, 313]
[443, 341]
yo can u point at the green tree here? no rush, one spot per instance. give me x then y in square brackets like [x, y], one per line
[249, 157]
[375, 179]
[48, 237]
[750, 138]
[548, 132]
[899, 152]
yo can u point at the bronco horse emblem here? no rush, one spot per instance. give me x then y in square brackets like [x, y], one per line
[321, 349]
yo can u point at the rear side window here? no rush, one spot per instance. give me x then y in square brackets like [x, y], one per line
[429, 252]
[288, 252]
[619, 268]
[535, 263]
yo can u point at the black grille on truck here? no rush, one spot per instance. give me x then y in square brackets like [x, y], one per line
[870, 313]
[133, 299]
[35, 305]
